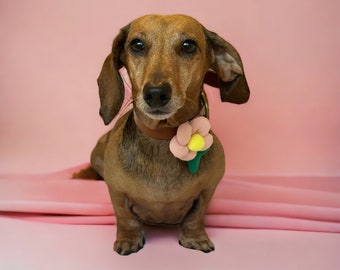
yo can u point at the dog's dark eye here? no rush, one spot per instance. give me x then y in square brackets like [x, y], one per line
[137, 46]
[189, 46]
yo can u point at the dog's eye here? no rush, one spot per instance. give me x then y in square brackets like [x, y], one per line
[137, 46]
[189, 46]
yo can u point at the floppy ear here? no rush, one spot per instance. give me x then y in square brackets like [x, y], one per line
[110, 83]
[226, 70]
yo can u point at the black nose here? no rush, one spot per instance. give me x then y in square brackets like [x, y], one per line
[157, 96]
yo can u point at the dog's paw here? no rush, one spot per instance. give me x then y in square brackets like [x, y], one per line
[202, 243]
[128, 245]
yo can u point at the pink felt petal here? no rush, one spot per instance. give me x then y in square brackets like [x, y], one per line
[208, 139]
[200, 125]
[191, 155]
[184, 132]
[177, 149]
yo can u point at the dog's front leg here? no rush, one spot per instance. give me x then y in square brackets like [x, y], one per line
[130, 236]
[191, 231]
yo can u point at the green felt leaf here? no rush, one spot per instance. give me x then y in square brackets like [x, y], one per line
[194, 164]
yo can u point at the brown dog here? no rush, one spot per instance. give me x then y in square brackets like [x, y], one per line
[168, 58]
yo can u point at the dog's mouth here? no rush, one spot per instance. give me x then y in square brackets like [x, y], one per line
[158, 114]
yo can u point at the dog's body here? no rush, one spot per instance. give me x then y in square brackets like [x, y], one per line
[167, 59]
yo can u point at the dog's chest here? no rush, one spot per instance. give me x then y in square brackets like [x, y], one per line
[150, 160]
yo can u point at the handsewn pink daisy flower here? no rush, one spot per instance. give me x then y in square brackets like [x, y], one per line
[191, 137]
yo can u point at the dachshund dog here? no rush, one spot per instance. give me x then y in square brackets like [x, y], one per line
[168, 59]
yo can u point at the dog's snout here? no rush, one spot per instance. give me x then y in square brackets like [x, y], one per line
[157, 96]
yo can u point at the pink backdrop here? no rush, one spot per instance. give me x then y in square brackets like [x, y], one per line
[52, 51]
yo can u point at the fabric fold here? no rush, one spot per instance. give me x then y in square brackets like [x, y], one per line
[289, 203]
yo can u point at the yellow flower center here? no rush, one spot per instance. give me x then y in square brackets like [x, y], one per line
[196, 143]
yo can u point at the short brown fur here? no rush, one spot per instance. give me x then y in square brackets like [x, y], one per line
[147, 184]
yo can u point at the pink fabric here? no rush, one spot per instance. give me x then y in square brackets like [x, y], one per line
[290, 203]
[35, 245]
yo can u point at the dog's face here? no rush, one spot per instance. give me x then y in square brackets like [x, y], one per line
[167, 59]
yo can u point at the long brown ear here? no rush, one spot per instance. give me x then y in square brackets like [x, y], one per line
[110, 83]
[226, 70]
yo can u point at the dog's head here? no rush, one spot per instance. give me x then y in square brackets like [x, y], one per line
[168, 58]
